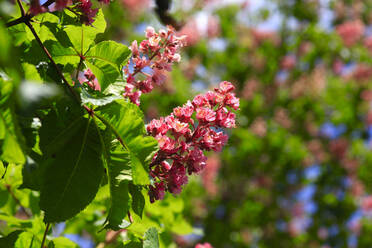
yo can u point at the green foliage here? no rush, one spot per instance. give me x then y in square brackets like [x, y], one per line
[11, 139]
[10, 239]
[119, 176]
[125, 120]
[106, 60]
[83, 157]
[81, 36]
[151, 238]
[73, 180]
[138, 200]
[62, 242]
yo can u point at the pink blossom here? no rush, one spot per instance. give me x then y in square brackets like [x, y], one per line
[226, 87]
[205, 114]
[179, 127]
[158, 52]
[177, 177]
[166, 144]
[205, 245]
[232, 101]
[157, 191]
[196, 161]
[135, 7]
[199, 101]
[368, 43]
[288, 62]
[61, 4]
[350, 31]
[36, 8]
[157, 127]
[184, 113]
[90, 79]
[367, 204]
[183, 142]
[225, 118]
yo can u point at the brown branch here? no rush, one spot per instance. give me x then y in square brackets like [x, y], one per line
[45, 233]
[19, 20]
[23, 12]
[29, 25]
[26, 16]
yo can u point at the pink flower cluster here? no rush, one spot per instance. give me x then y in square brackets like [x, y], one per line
[205, 245]
[88, 13]
[182, 139]
[90, 79]
[350, 31]
[157, 53]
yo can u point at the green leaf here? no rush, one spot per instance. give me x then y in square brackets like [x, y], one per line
[61, 54]
[31, 72]
[119, 177]
[125, 120]
[10, 239]
[14, 222]
[62, 242]
[11, 139]
[133, 244]
[138, 200]
[105, 73]
[5, 43]
[151, 238]
[83, 36]
[106, 60]
[27, 239]
[99, 101]
[109, 52]
[74, 169]
[32, 172]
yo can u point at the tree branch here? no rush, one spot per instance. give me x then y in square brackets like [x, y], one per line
[26, 16]
[45, 233]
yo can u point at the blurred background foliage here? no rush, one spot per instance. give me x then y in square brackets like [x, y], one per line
[297, 171]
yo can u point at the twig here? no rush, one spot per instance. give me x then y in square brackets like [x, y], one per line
[27, 16]
[29, 25]
[5, 164]
[23, 13]
[130, 217]
[45, 233]
[18, 21]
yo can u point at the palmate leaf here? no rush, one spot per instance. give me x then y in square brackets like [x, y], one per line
[110, 52]
[83, 36]
[61, 54]
[105, 73]
[72, 157]
[126, 161]
[106, 60]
